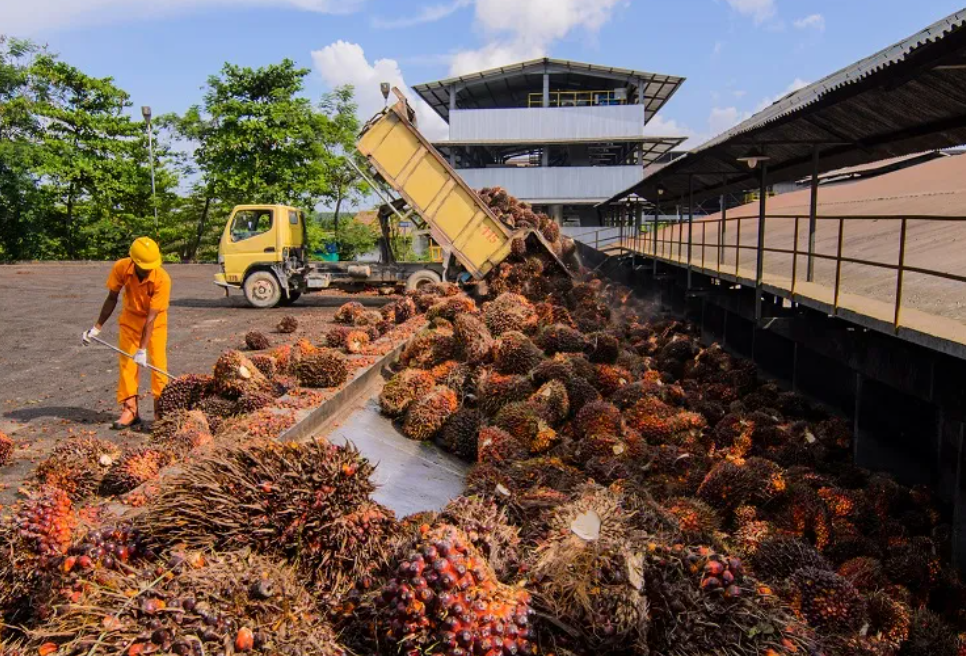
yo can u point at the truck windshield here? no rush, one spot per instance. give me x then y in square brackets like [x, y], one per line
[250, 223]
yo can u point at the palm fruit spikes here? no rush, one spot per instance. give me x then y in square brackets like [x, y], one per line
[509, 312]
[561, 338]
[598, 418]
[429, 348]
[521, 420]
[235, 375]
[404, 388]
[444, 594]
[190, 431]
[451, 307]
[427, 415]
[551, 402]
[324, 368]
[256, 341]
[496, 390]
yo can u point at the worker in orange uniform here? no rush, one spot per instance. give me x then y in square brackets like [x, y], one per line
[143, 324]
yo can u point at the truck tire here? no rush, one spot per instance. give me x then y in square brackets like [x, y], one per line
[292, 297]
[262, 290]
[421, 279]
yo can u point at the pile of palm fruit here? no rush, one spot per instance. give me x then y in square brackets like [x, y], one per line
[632, 492]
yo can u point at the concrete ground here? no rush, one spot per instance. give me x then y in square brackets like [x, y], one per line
[52, 388]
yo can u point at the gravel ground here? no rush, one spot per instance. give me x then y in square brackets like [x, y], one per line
[52, 388]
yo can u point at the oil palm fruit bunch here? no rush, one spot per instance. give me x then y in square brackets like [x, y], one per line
[256, 341]
[427, 415]
[444, 596]
[495, 390]
[287, 325]
[194, 604]
[603, 348]
[429, 348]
[826, 600]
[277, 498]
[356, 341]
[488, 529]
[460, 433]
[367, 318]
[77, 465]
[509, 312]
[780, 556]
[216, 410]
[348, 313]
[610, 379]
[514, 353]
[404, 388]
[193, 430]
[133, 469]
[265, 364]
[697, 521]
[451, 307]
[496, 446]
[589, 572]
[183, 393]
[235, 375]
[561, 338]
[34, 540]
[6, 448]
[473, 338]
[598, 418]
[522, 420]
[554, 368]
[336, 336]
[324, 368]
[580, 393]
[551, 402]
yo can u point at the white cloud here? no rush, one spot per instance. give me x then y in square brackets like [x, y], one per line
[797, 84]
[342, 63]
[718, 47]
[739, 93]
[493, 55]
[724, 118]
[659, 126]
[759, 10]
[428, 14]
[525, 29]
[26, 18]
[813, 22]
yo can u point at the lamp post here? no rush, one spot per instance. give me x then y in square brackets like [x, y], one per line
[146, 113]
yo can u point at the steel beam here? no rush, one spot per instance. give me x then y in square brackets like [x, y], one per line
[760, 264]
[812, 214]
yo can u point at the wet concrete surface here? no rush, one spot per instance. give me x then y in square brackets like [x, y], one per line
[411, 476]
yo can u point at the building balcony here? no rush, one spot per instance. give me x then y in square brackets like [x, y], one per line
[557, 185]
[553, 124]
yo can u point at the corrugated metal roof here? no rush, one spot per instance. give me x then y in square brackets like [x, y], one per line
[657, 91]
[907, 98]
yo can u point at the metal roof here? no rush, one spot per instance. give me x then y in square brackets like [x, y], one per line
[509, 85]
[907, 98]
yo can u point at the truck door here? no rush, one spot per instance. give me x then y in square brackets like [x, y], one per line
[251, 240]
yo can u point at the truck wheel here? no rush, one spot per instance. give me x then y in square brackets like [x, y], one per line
[421, 279]
[262, 290]
[292, 297]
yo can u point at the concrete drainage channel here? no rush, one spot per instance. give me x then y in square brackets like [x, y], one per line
[411, 476]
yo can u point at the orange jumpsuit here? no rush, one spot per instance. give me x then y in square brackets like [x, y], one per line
[153, 293]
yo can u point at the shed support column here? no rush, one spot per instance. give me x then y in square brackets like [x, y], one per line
[760, 264]
[545, 156]
[959, 509]
[657, 214]
[812, 220]
[722, 232]
[690, 224]
[641, 99]
[452, 100]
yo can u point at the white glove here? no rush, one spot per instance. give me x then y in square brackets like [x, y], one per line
[141, 358]
[88, 335]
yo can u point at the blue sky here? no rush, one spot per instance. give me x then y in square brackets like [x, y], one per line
[737, 54]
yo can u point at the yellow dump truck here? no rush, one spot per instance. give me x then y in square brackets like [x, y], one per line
[264, 248]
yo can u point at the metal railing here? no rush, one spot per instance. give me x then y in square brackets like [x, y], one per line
[577, 99]
[593, 238]
[670, 244]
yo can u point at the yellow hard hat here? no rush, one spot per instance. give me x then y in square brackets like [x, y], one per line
[145, 253]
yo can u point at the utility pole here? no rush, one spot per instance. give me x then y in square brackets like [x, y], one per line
[146, 113]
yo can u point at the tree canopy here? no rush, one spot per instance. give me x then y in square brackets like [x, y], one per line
[75, 162]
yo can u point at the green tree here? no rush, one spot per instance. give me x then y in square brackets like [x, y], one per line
[91, 160]
[340, 128]
[259, 140]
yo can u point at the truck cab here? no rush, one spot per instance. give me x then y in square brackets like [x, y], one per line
[264, 252]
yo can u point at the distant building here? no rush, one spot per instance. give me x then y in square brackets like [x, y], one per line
[560, 135]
